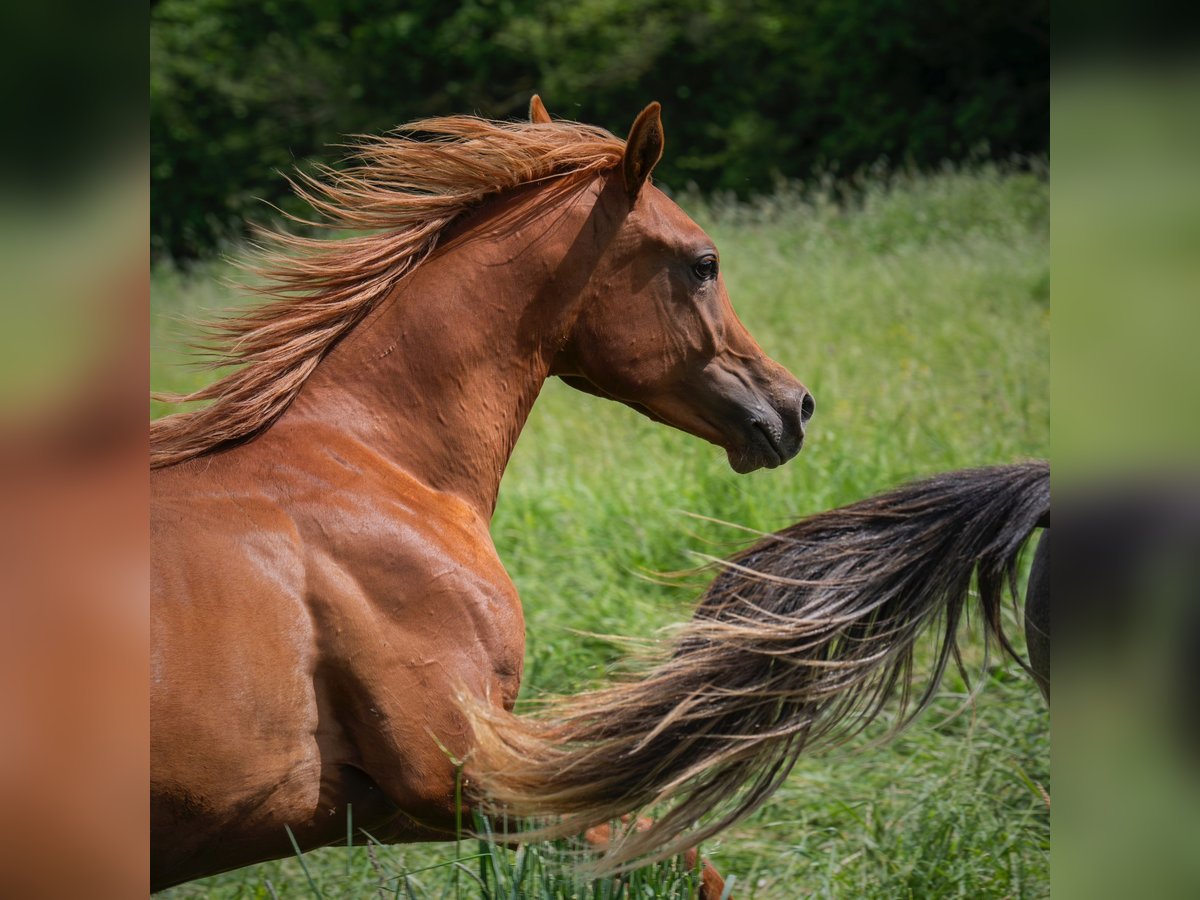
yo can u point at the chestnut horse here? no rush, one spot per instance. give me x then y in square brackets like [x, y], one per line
[324, 582]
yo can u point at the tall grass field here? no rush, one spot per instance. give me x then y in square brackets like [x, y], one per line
[916, 309]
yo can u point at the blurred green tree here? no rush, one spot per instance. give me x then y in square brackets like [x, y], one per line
[753, 90]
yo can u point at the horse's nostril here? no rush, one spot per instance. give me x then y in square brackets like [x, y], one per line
[808, 406]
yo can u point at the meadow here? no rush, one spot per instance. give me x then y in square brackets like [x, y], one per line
[916, 310]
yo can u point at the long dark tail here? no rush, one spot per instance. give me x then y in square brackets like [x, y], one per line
[800, 640]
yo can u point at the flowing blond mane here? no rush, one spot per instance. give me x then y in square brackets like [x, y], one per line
[403, 190]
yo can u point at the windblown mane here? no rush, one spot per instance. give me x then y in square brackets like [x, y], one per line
[403, 189]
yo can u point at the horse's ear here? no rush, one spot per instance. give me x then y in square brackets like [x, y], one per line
[643, 149]
[537, 111]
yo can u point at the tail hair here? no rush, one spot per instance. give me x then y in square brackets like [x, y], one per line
[799, 642]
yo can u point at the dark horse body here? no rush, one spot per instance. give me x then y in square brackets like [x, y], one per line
[1037, 615]
[325, 586]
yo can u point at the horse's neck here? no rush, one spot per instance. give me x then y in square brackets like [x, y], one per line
[441, 378]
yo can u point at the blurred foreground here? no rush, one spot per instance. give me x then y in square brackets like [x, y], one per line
[74, 588]
[1126, 300]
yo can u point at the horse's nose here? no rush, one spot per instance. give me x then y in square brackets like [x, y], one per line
[800, 407]
[795, 410]
[808, 406]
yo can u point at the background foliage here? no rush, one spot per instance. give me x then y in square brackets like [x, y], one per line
[753, 90]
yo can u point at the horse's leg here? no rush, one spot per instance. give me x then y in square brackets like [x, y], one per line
[711, 883]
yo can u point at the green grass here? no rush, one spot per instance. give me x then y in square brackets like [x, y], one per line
[918, 315]
[476, 868]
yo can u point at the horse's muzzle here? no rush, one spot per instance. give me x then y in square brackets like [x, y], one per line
[773, 433]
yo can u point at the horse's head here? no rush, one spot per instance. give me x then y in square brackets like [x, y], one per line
[657, 331]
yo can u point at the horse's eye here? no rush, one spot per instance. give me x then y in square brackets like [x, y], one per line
[706, 268]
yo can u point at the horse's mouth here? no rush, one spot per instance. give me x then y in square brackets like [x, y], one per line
[763, 449]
